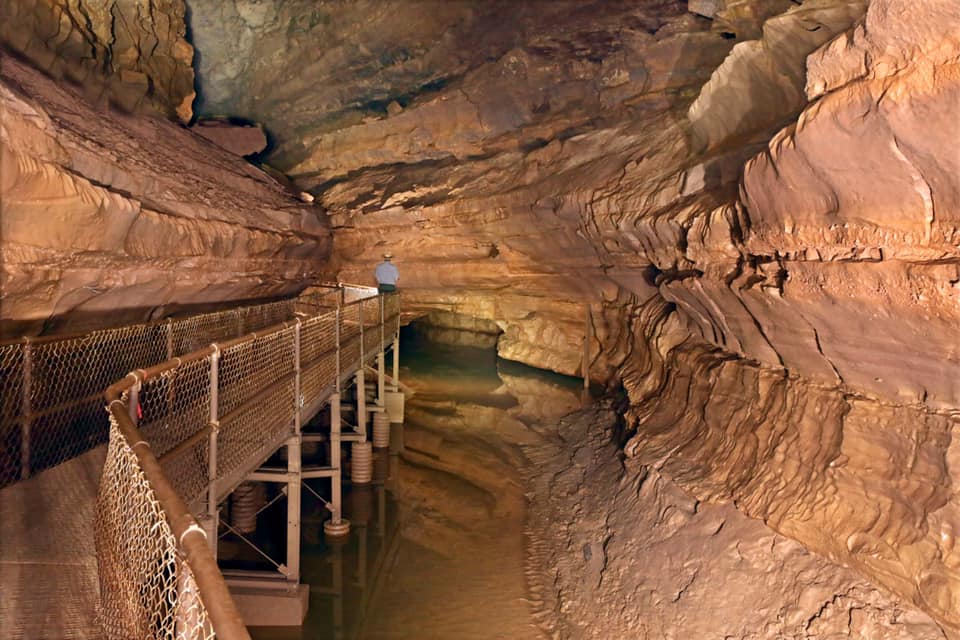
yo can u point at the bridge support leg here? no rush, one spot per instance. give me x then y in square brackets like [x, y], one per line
[294, 466]
[393, 400]
[381, 378]
[362, 405]
[336, 525]
[396, 362]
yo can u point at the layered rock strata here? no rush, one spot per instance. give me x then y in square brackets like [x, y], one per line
[809, 376]
[110, 218]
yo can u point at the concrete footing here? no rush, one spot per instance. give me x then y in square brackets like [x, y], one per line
[336, 529]
[265, 605]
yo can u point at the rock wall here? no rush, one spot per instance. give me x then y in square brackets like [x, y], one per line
[110, 218]
[621, 551]
[133, 53]
[809, 376]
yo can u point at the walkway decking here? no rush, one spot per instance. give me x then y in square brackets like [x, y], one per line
[48, 564]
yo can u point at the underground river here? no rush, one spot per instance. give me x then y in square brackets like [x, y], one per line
[437, 547]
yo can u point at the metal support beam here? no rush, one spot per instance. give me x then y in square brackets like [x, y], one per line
[336, 491]
[319, 472]
[362, 403]
[396, 361]
[279, 477]
[381, 378]
[293, 508]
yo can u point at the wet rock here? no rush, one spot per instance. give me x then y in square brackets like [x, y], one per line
[780, 306]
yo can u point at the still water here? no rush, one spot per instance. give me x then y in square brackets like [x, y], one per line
[437, 547]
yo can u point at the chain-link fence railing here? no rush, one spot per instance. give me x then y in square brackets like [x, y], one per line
[257, 402]
[157, 576]
[50, 388]
[14, 430]
[192, 427]
[350, 334]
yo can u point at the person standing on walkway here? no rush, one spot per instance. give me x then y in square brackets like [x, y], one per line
[386, 274]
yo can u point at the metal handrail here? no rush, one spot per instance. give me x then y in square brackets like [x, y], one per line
[29, 409]
[214, 593]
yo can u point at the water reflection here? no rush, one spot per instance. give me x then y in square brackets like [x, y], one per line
[437, 547]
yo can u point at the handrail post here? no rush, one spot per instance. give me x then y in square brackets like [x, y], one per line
[337, 323]
[297, 391]
[133, 403]
[169, 327]
[26, 409]
[363, 353]
[213, 512]
[361, 403]
[396, 348]
[381, 377]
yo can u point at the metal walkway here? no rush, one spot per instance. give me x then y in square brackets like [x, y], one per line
[182, 435]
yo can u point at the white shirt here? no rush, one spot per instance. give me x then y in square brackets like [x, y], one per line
[386, 273]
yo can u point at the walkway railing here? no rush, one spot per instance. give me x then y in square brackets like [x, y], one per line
[51, 388]
[185, 432]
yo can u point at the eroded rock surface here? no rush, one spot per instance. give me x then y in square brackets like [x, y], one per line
[110, 218]
[625, 552]
[133, 53]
